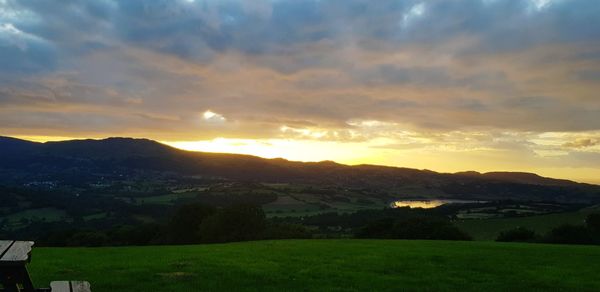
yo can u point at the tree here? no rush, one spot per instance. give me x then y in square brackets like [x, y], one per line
[519, 234]
[377, 229]
[592, 222]
[569, 234]
[183, 226]
[142, 234]
[413, 228]
[88, 238]
[286, 231]
[235, 223]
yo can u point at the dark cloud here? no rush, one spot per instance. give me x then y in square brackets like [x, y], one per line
[582, 143]
[186, 27]
[532, 103]
[425, 64]
[21, 52]
[589, 75]
[417, 76]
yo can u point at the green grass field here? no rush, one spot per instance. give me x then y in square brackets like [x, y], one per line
[325, 265]
[488, 229]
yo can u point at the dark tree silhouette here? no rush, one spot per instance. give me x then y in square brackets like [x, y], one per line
[235, 223]
[183, 226]
[519, 234]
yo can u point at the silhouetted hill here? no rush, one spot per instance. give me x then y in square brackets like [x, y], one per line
[108, 148]
[519, 177]
[11, 146]
[128, 155]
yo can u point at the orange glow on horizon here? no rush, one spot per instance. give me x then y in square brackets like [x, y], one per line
[354, 153]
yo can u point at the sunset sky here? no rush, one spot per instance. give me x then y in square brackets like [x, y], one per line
[443, 85]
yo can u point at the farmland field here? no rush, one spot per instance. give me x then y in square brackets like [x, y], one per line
[488, 229]
[325, 265]
[19, 219]
[167, 199]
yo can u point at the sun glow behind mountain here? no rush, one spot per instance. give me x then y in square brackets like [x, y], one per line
[369, 153]
[441, 159]
[302, 150]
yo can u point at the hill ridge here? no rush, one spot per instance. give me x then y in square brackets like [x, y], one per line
[124, 151]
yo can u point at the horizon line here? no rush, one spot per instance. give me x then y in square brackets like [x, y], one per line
[36, 139]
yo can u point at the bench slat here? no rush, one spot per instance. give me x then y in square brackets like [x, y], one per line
[4, 244]
[18, 252]
[80, 286]
[70, 286]
[60, 286]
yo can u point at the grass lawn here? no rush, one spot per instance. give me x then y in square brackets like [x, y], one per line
[325, 265]
[488, 229]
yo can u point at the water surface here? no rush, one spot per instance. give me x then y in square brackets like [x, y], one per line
[427, 204]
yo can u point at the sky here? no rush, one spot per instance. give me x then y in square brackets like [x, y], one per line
[442, 85]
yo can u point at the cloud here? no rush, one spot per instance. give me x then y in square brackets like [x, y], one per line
[317, 66]
[582, 143]
[187, 28]
[213, 117]
[23, 52]
[589, 75]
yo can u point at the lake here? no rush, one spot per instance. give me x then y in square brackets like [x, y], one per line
[426, 204]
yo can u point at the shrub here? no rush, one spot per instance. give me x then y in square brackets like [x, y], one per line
[519, 234]
[88, 238]
[569, 234]
[592, 222]
[235, 223]
[381, 228]
[413, 228]
[286, 231]
[134, 235]
[183, 226]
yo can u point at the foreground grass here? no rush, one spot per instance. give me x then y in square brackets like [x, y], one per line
[318, 265]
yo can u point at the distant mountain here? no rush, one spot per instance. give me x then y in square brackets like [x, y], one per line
[129, 155]
[519, 177]
[12, 146]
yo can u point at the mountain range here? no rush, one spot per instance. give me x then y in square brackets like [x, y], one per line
[134, 155]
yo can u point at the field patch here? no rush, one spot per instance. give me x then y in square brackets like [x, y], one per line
[24, 218]
[168, 199]
[488, 229]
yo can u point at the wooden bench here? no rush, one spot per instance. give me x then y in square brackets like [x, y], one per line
[70, 286]
[14, 255]
[14, 277]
